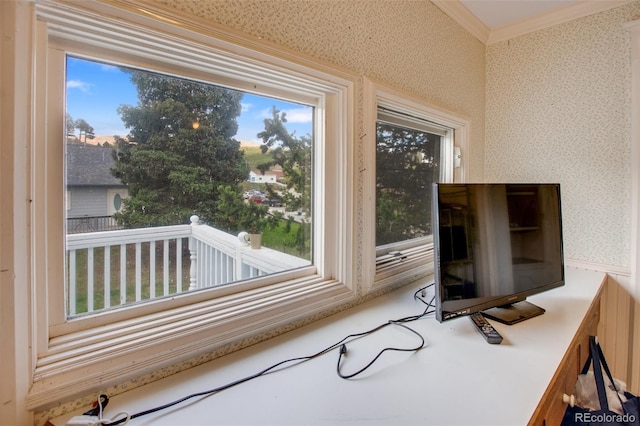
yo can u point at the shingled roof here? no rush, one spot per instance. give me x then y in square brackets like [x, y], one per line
[89, 165]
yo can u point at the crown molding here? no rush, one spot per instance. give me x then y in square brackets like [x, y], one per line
[459, 13]
[552, 18]
[464, 18]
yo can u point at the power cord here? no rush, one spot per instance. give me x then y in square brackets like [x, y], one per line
[420, 294]
[343, 350]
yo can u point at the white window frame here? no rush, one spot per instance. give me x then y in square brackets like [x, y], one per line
[416, 260]
[82, 355]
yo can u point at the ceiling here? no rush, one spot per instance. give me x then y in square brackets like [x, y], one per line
[496, 13]
[491, 21]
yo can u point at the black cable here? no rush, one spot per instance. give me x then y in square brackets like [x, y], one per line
[400, 322]
[243, 380]
[223, 387]
[343, 351]
[423, 291]
[341, 343]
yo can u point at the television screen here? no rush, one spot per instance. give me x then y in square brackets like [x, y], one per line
[494, 245]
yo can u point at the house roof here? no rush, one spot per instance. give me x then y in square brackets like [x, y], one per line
[89, 165]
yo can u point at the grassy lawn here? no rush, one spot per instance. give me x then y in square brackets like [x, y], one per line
[281, 240]
[254, 156]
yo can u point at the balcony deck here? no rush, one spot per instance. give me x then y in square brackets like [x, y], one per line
[115, 268]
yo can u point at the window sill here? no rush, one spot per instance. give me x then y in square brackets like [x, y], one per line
[85, 362]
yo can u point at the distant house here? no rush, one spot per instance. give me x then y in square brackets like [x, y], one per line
[271, 176]
[92, 191]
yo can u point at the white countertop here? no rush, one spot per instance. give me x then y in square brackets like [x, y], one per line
[456, 379]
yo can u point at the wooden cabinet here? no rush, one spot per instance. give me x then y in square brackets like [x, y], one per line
[552, 407]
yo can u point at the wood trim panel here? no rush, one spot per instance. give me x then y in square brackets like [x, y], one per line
[634, 29]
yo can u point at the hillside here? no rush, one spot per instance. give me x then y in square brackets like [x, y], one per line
[254, 155]
[252, 152]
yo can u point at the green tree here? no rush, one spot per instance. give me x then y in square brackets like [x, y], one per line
[70, 125]
[235, 215]
[180, 150]
[293, 154]
[407, 164]
[84, 130]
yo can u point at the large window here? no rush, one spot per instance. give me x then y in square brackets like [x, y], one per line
[178, 148]
[147, 259]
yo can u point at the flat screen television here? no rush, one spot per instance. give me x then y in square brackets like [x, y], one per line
[494, 245]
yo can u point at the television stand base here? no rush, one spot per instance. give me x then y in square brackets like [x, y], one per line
[515, 313]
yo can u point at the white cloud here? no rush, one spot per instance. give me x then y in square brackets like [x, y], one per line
[265, 113]
[109, 68]
[77, 84]
[245, 106]
[293, 115]
[299, 115]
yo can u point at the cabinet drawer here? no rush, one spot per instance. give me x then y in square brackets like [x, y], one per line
[551, 409]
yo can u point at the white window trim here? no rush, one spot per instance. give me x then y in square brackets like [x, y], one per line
[74, 357]
[375, 95]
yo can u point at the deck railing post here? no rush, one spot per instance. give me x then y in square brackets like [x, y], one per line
[193, 281]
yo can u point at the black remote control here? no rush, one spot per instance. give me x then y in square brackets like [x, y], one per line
[485, 328]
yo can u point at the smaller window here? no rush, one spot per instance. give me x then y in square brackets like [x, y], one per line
[415, 145]
[117, 202]
[410, 157]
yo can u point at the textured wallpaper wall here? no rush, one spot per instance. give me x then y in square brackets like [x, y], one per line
[407, 44]
[558, 110]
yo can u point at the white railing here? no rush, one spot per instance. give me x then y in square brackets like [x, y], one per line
[219, 258]
[156, 262]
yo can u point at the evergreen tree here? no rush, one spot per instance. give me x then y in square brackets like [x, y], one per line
[293, 154]
[179, 152]
[407, 164]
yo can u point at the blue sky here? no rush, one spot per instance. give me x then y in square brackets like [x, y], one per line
[95, 91]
